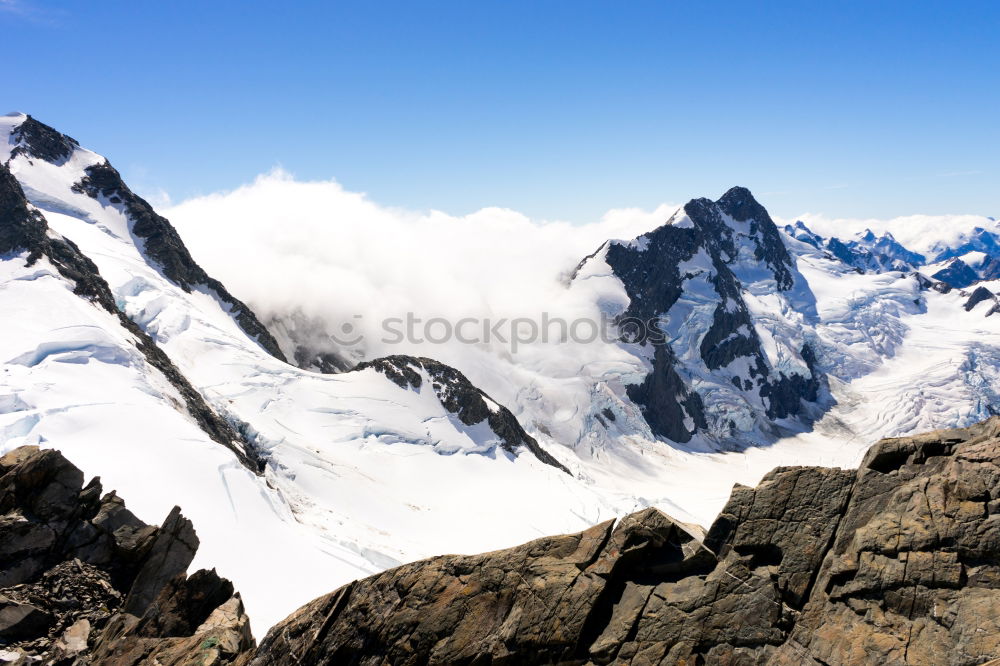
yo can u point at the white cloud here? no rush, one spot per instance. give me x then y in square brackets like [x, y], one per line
[283, 244]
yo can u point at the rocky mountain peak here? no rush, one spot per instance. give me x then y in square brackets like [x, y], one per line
[957, 274]
[739, 203]
[800, 232]
[161, 244]
[38, 140]
[692, 275]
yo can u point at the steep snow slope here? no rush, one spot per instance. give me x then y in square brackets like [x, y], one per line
[74, 377]
[361, 473]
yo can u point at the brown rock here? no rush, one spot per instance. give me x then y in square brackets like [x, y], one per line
[169, 556]
[897, 562]
[68, 559]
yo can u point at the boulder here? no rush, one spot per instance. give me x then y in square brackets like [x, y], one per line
[22, 621]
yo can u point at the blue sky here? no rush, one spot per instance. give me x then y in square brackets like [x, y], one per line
[560, 110]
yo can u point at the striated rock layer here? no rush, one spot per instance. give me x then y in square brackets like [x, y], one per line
[897, 562]
[83, 581]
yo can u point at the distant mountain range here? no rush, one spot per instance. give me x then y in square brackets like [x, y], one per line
[975, 257]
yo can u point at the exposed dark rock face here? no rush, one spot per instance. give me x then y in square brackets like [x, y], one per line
[896, 562]
[927, 283]
[21, 227]
[857, 257]
[739, 204]
[24, 229]
[37, 140]
[990, 268]
[163, 245]
[82, 580]
[912, 575]
[665, 400]
[462, 398]
[170, 554]
[958, 274]
[979, 295]
[733, 231]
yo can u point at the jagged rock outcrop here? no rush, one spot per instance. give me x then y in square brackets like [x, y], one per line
[83, 581]
[38, 140]
[868, 252]
[897, 562]
[978, 295]
[24, 229]
[689, 286]
[462, 398]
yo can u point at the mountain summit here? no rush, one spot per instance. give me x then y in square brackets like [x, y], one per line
[699, 280]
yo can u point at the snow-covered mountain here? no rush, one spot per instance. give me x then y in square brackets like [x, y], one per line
[725, 294]
[122, 352]
[305, 462]
[958, 259]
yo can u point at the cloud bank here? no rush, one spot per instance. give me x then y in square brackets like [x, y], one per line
[336, 255]
[340, 258]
